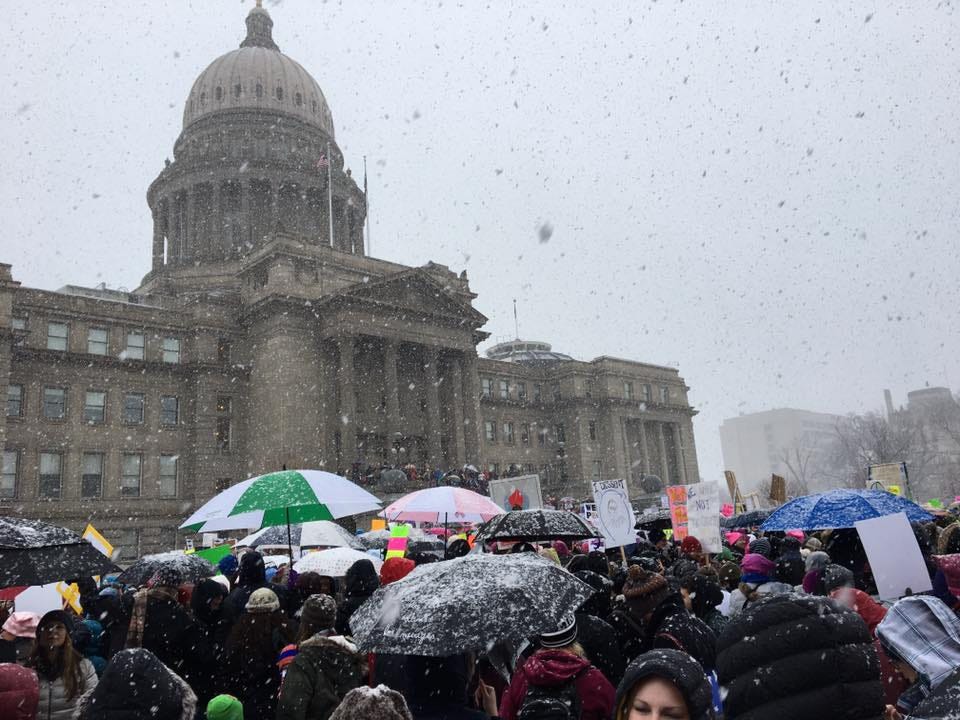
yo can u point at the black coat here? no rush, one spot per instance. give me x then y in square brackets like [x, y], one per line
[360, 582]
[795, 657]
[672, 627]
[599, 639]
[940, 703]
[251, 576]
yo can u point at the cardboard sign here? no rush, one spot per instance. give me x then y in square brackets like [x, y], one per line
[71, 595]
[695, 510]
[885, 475]
[378, 524]
[894, 556]
[518, 493]
[615, 518]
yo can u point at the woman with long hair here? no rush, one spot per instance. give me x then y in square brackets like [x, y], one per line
[63, 674]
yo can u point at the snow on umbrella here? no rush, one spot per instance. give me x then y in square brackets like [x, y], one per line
[35, 553]
[537, 525]
[443, 504]
[841, 509]
[318, 533]
[746, 519]
[467, 604]
[333, 562]
[279, 498]
[191, 568]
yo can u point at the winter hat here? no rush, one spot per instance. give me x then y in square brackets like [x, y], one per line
[166, 576]
[361, 579]
[599, 603]
[676, 667]
[836, 576]
[561, 547]
[565, 634]
[228, 564]
[691, 546]
[950, 567]
[55, 616]
[729, 574]
[813, 544]
[395, 568]
[760, 546]
[319, 611]
[757, 564]
[597, 562]
[22, 624]
[817, 560]
[704, 592]
[791, 656]
[949, 542]
[224, 707]
[262, 600]
[364, 703]
[644, 590]
[252, 571]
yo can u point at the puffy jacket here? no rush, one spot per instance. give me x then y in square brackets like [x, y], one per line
[324, 670]
[555, 668]
[19, 692]
[599, 639]
[54, 704]
[672, 627]
[738, 601]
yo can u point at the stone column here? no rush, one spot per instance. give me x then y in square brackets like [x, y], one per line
[644, 453]
[216, 236]
[348, 402]
[433, 423]
[394, 423]
[678, 448]
[471, 409]
[274, 204]
[157, 237]
[174, 244]
[189, 224]
[664, 465]
[459, 456]
[245, 224]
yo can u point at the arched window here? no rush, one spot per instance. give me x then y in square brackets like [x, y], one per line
[259, 91]
[298, 99]
[314, 105]
[279, 93]
[236, 90]
[218, 93]
[203, 98]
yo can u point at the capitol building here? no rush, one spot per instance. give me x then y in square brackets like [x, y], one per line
[264, 336]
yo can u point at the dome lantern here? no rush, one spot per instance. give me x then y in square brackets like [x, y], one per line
[259, 30]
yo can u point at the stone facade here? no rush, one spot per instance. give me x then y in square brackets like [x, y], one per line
[263, 336]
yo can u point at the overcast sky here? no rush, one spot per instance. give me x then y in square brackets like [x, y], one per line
[762, 193]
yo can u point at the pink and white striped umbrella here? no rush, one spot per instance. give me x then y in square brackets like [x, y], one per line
[443, 504]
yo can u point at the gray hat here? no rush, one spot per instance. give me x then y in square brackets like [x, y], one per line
[364, 702]
[262, 600]
[319, 611]
[564, 635]
[836, 576]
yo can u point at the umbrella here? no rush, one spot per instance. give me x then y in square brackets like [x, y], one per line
[746, 519]
[319, 533]
[661, 519]
[378, 539]
[442, 504]
[841, 509]
[192, 568]
[537, 525]
[333, 562]
[466, 604]
[35, 553]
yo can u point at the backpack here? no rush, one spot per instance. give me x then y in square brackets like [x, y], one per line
[552, 702]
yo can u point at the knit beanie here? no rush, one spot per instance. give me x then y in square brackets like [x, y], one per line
[228, 564]
[365, 703]
[813, 543]
[836, 576]
[224, 707]
[565, 634]
[395, 568]
[757, 564]
[262, 600]
[691, 546]
[760, 546]
[729, 574]
[644, 590]
[817, 560]
[319, 611]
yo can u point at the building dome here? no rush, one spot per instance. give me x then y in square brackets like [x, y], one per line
[526, 352]
[257, 76]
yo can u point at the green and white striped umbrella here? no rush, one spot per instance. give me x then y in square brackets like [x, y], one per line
[293, 496]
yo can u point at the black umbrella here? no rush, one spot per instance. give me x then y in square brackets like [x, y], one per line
[659, 520]
[470, 603]
[191, 568]
[537, 525]
[35, 553]
[746, 519]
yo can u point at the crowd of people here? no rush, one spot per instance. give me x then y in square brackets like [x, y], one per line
[778, 627]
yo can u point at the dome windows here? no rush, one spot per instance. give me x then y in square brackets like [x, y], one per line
[279, 93]
[298, 99]
[203, 98]
[218, 93]
[236, 90]
[259, 91]
[313, 105]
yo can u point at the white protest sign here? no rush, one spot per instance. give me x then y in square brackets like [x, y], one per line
[615, 519]
[39, 599]
[521, 492]
[703, 515]
[894, 556]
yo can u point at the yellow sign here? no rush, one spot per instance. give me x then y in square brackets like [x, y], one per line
[92, 536]
[378, 524]
[893, 489]
[70, 593]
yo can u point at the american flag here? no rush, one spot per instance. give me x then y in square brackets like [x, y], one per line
[322, 162]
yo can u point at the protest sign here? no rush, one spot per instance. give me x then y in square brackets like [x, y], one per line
[894, 556]
[695, 510]
[615, 518]
[677, 495]
[397, 544]
[517, 493]
[39, 599]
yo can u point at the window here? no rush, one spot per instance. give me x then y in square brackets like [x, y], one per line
[95, 407]
[537, 392]
[298, 99]
[592, 429]
[522, 392]
[50, 474]
[18, 323]
[542, 436]
[222, 435]
[133, 408]
[486, 387]
[168, 475]
[504, 390]
[14, 400]
[508, 433]
[524, 433]
[97, 341]
[91, 480]
[279, 93]
[664, 394]
[56, 336]
[171, 350]
[218, 93]
[490, 430]
[169, 410]
[557, 395]
[236, 90]
[647, 392]
[130, 475]
[136, 343]
[223, 351]
[128, 543]
[560, 433]
[223, 404]
[598, 470]
[628, 390]
[54, 403]
[8, 480]
[258, 91]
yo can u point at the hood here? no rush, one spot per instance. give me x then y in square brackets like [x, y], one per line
[334, 652]
[253, 573]
[923, 632]
[19, 692]
[677, 667]
[553, 667]
[395, 568]
[205, 592]
[361, 579]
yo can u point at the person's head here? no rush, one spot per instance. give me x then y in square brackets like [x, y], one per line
[395, 568]
[949, 542]
[836, 576]
[691, 547]
[53, 656]
[816, 560]
[457, 548]
[365, 703]
[53, 631]
[729, 575]
[361, 579]
[658, 538]
[318, 614]
[224, 707]
[664, 685]
[564, 638]
[643, 591]
[207, 600]
[252, 635]
[228, 565]
[761, 546]
[921, 635]
[597, 562]
[252, 572]
[599, 603]
[700, 593]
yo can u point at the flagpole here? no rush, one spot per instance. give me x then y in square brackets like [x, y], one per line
[329, 195]
[366, 199]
